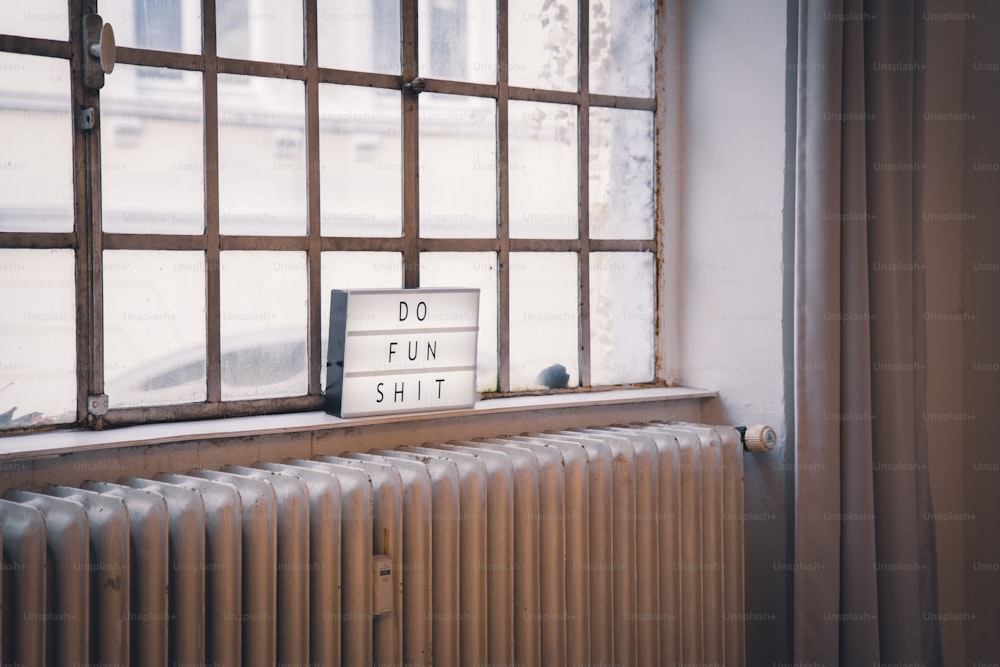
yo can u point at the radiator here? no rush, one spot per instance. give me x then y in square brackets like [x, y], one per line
[608, 546]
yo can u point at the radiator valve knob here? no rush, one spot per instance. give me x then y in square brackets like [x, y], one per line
[759, 438]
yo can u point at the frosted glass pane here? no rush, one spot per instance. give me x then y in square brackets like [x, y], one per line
[458, 40]
[622, 174]
[270, 31]
[354, 270]
[622, 317]
[363, 37]
[34, 18]
[543, 171]
[36, 150]
[264, 321]
[361, 270]
[544, 320]
[152, 151]
[154, 327]
[543, 44]
[262, 156]
[162, 25]
[361, 158]
[622, 47]
[37, 337]
[458, 184]
[470, 269]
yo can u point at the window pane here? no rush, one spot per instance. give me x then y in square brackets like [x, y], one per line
[470, 269]
[262, 156]
[354, 270]
[458, 184]
[154, 327]
[360, 270]
[622, 317]
[542, 171]
[363, 37]
[37, 337]
[361, 161]
[161, 25]
[152, 152]
[269, 31]
[622, 47]
[544, 314]
[543, 44]
[622, 174]
[458, 40]
[36, 134]
[264, 324]
[45, 19]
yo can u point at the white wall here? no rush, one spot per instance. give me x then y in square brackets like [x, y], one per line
[725, 238]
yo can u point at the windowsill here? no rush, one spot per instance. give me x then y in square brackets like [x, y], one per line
[54, 443]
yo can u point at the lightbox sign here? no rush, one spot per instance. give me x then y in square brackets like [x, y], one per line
[401, 350]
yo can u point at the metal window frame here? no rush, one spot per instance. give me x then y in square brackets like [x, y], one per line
[90, 242]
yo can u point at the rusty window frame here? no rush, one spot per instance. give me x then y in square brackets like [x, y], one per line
[89, 243]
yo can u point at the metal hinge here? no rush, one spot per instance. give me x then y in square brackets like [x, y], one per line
[87, 118]
[97, 405]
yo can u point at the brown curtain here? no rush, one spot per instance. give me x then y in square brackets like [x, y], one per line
[864, 571]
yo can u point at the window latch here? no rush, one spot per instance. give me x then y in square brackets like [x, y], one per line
[99, 50]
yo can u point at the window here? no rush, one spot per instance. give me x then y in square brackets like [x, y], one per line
[178, 256]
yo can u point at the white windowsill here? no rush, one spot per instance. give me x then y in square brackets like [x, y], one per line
[54, 443]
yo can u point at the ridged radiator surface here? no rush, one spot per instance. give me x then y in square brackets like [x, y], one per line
[609, 546]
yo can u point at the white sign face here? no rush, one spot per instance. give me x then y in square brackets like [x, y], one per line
[396, 351]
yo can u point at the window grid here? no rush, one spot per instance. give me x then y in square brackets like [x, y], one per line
[89, 243]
